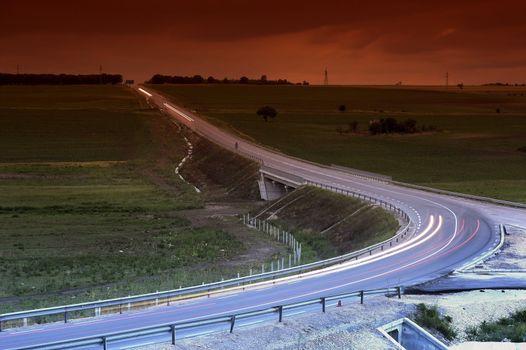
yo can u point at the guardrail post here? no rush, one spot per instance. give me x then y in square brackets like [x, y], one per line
[65, 317]
[322, 304]
[104, 343]
[172, 329]
[399, 291]
[361, 297]
[232, 323]
[280, 310]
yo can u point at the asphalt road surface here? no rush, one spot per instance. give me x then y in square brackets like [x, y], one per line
[449, 232]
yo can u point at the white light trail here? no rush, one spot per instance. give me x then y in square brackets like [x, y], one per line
[145, 92]
[184, 115]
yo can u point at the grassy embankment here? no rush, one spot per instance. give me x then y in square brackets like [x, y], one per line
[329, 224]
[89, 203]
[477, 151]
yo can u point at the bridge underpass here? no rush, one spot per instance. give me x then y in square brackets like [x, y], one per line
[274, 183]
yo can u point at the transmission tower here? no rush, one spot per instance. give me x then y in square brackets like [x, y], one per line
[326, 78]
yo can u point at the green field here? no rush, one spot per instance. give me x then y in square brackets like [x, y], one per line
[476, 149]
[89, 204]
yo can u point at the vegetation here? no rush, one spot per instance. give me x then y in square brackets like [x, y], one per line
[198, 79]
[267, 112]
[475, 153]
[328, 224]
[511, 328]
[89, 204]
[391, 125]
[429, 317]
[59, 79]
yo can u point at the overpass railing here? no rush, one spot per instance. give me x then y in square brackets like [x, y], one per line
[168, 332]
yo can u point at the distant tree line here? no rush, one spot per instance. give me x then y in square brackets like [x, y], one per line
[503, 84]
[59, 79]
[198, 79]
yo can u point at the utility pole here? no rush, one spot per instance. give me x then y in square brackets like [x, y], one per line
[326, 78]
[100, 73]
[447, 79]
[17, 69]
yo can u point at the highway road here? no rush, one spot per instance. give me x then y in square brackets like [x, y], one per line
[449, 232]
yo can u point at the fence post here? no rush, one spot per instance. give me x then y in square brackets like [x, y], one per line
[322, 304]
[173, 334]
[280, 310]
[232, 323]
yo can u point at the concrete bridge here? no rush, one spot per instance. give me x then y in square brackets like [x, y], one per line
[274, 183]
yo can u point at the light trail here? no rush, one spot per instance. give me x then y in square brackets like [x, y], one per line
[184, 115]
[145, 92]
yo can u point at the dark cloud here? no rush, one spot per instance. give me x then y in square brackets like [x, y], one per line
[223, 36]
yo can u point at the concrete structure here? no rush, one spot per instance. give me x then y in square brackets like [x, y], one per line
[406, 334]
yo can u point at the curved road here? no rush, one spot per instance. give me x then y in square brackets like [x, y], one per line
[449, 232]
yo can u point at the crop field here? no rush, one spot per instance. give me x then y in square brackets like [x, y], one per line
[89, 204]
[478, 147]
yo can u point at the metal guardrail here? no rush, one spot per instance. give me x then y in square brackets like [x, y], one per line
[169, 330]
[121, 304]
[485, 256]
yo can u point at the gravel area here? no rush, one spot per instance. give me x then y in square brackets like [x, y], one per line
[353, 326]
[513, 253]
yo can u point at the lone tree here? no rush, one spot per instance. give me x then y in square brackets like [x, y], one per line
[267, 112]
[342, 108]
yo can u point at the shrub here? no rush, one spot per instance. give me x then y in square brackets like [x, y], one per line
[267, 112]
[430, 317]
[512, 328]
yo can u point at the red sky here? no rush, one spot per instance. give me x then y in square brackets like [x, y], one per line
[360, 42]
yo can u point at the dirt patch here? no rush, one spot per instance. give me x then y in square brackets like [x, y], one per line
[225, 216]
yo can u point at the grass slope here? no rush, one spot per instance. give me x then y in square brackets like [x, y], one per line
[477, 151]
[328, 224]
[89, 203]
